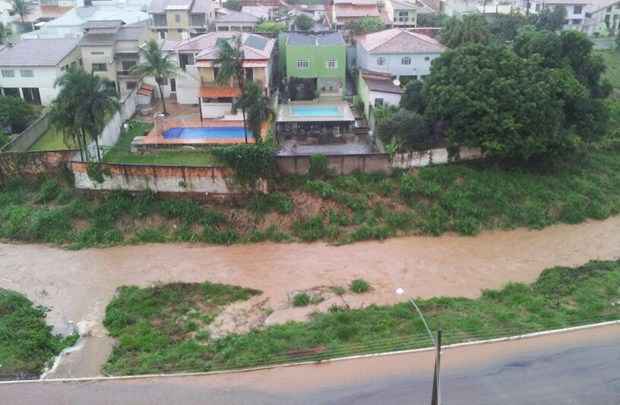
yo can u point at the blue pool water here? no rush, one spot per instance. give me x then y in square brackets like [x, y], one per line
[316, 111]
[206, 133]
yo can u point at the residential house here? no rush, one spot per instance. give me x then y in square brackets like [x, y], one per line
[177, 20]
[229, 20]
[377, 89]
[111, 48]
[71, 24]
[602, 16]
[403, 54]
[29, 69]
[314, 63]
[404, 12]
[196, 80]
[343, 12]
[260, 12]
[268, 3]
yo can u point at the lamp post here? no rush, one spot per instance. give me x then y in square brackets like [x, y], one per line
[435, 398]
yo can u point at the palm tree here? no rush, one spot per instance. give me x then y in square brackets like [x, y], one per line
[230, 64]
[82, 106]
[257, 105]
[22, 8]
[157, 64]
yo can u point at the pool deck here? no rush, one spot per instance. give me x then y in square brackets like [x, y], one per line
[285, 112]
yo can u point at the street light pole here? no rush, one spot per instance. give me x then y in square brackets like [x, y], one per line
[436, 397]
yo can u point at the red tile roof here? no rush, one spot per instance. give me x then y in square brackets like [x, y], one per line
[219, 91]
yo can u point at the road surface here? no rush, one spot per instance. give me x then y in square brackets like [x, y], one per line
[574, 368]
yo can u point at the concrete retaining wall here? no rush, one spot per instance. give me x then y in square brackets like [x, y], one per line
[341, 165]
[29, 136]
[433, 156]
[163, 179]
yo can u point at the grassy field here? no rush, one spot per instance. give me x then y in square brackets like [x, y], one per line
[120, 153]
[26, 341]
[163, 329]
[52, 140]
[462, 198]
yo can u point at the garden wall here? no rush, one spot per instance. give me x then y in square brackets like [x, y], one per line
[433, 156]
[29, 136]
[339, 164]
[157, 178]
[112, 131]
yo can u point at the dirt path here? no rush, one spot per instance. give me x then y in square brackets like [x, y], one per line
[77, 285]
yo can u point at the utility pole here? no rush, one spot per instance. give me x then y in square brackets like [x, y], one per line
[436, 400]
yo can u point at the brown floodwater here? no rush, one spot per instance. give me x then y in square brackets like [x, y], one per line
[77, 285]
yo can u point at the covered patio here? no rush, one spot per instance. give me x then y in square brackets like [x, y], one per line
[315, 123]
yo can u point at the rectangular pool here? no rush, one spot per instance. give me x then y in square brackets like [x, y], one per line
[215, 133]
[316, 111]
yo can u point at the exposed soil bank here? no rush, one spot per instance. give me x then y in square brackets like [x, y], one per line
[77, 285]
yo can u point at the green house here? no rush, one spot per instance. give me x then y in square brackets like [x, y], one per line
[314, 65]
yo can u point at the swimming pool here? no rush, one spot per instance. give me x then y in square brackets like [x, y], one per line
[207, 133]
[316, 111]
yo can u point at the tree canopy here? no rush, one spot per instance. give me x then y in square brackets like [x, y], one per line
[511, 107]
[271, 27]
[550, 19]
[232, 5]
[413, 99]
[303, 22]
[15, 114]
[470, 29]
[156, 64]
[366, 25]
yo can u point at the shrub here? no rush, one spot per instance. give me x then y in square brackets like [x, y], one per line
[310, 229]
[321, 188]
[262, 204]
[318, 167]
[250, 162]
[151, 235]
[187, 210]
[49, 191]
[217, 236]
[359, 286]
[367, 232]
[301, 300]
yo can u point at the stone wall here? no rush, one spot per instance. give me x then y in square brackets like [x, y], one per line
[33, 163]
[162, 179]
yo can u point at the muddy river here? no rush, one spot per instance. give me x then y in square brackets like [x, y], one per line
[77, 285]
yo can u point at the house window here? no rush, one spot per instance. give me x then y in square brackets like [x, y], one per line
[180, 31]
[96, 53]
[303, 64]
[405, 60]
[162, 34]
[380, 61]
[8, 73]
[403, 14]
[26, 73]
[128, 65]
[577, 9]
[378, 102]
[131, 85]
[427, 58]
[159, 20]
[11, 91]
[100, 67]
[332, 63]
[177, 18]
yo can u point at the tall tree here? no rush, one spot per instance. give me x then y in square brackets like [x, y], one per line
[82, 106]
[303, 23]
[366, 25]
[158, 65]
[22, 8]
[470, 29]
[230, 63]
[413, 98]
[550, 19]
[511, 107]
[257, 105]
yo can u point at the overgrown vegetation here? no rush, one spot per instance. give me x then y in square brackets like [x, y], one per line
[164, 328]
[463, 198]
[162, 332]
[27, 343]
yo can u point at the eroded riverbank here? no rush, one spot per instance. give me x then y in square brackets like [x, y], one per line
[77, 285]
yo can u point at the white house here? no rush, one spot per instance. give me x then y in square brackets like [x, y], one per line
[30, 68]
[403, 54]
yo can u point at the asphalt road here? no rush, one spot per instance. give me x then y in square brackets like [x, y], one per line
[575, 368]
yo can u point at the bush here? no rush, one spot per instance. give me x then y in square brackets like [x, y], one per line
[321, 188]
[359, 286]
[250, 162]
[187, 210]
[310, 229]
[49, 191]
[15, 113]
[318, 167]
[264, 203]
[301, 300]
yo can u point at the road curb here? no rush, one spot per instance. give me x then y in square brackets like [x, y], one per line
[316, 362]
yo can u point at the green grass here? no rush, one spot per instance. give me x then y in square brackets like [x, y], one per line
[154, 326]
[462, 198]
[164, 328]
[359, 286]
[52, 140]
[27, 343]
[121, 153]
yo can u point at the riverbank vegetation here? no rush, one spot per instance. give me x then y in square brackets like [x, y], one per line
[27, 343]
[163, 328]
[466, 198]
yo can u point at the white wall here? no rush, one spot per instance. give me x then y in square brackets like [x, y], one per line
[44, 79]
[388, 98]
[393, 63]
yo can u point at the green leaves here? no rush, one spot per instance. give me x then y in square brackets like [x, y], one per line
[250, 162]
